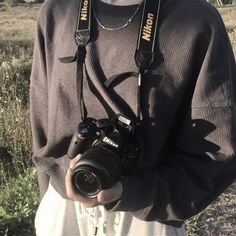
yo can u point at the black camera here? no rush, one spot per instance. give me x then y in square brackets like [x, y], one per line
[108, 147]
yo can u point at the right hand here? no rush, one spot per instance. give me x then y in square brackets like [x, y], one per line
[105, 196]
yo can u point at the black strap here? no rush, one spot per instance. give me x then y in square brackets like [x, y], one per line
[113, 80]
[82, 37]
[147, 33]
[80, 59]
[81, 53]
[83, 27]
[144, 53]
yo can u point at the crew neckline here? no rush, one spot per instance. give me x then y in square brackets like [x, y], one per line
[121, 4]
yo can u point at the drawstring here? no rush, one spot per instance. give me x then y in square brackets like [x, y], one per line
[94, 219]
[95, 215]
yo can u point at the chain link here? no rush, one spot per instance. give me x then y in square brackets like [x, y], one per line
[120, 27]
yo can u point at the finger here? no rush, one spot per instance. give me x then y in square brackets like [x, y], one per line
[74, 161]
[68, 183]
[74, 196]
[110, 195]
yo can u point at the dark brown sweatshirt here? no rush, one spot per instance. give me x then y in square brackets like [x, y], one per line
[188, 100]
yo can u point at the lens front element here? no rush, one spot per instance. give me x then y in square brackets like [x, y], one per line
[86, 183]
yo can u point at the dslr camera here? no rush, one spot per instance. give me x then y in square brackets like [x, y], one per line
[108, 148]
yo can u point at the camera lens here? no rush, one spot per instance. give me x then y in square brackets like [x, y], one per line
[86, 182]
[97, 169]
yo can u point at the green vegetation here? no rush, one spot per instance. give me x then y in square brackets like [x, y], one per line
[19, 195]
[18, 184]
[18, 203]
[15, 141]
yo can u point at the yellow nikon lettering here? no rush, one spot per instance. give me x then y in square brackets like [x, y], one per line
[147, 29]
[84, 11]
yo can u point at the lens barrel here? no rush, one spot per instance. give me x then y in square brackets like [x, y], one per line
[87, 181]
[99, 168]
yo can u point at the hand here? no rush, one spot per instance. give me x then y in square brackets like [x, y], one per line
[104, 196]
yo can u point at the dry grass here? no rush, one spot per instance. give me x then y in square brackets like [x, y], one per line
[18, 23]
[229, 16]
[218, 219]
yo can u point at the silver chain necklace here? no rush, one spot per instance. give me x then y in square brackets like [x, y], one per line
[120, 27]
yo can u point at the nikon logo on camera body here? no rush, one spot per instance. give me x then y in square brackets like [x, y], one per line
[84, 10]
[110, 142]
[147, 29]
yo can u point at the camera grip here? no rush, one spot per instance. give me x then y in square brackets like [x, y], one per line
[75, 147]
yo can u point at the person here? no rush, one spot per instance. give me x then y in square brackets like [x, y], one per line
[187, 143]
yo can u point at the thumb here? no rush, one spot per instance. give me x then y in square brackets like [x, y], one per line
[110, 195]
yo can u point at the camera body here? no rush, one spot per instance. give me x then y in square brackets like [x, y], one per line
[108, 147]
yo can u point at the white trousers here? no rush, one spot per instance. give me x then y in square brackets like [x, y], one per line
[59, 217]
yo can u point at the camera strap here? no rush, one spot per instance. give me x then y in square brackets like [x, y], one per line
[144, 53]
[83, 27]
[82, 37]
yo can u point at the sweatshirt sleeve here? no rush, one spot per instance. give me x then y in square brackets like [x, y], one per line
[203, 163]
[39, 99]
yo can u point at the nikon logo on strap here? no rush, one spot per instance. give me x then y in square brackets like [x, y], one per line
[83, 27]
[147, 29]
[84, 10]
[144, 53]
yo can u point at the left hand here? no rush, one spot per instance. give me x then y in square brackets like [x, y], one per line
[104, 196]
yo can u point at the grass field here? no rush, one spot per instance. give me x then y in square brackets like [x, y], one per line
[18, 23]
[18, 184]
[229, 16]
